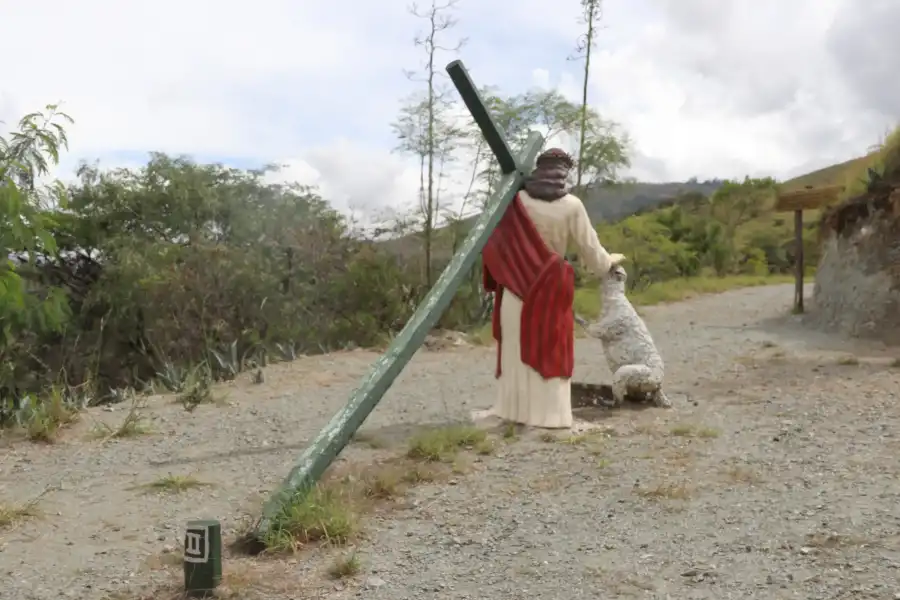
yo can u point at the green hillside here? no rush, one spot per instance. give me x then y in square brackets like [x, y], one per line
[833, 175]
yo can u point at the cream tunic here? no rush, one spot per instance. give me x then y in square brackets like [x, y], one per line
[524, 396]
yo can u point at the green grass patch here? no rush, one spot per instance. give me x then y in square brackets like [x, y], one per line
[688, 430]
[442, 443]
[587, 300]
[174, 484]
[326, 513]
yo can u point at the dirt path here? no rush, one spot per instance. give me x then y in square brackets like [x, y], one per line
[775, 477]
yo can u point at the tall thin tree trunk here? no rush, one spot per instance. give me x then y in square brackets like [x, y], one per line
[429, 211]
[591, 6]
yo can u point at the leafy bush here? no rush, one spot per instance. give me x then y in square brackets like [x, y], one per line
[135, 275]
[733, 232]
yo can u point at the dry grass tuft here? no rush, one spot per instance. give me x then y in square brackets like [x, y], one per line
[11, 515]
[739, 474]
[511, 431]
[372, 441]
[665, 491]
[442, 443]
[345, 565]
[485, 447]
[836, 540]
[693, 431]
[329, 513]
[174, 484]
[133, 424]
[848, 360]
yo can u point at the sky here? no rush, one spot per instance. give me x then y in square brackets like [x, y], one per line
[704, 88]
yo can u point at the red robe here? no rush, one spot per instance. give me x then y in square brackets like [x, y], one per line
[517, 258]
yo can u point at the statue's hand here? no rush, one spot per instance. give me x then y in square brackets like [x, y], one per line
[616, 258]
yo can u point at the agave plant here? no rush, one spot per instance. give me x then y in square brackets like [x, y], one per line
[172, 377]
[227, 363]
[287, 350]
[119, 395]
[198, 388]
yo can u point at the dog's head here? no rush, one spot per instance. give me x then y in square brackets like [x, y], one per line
[617, 274]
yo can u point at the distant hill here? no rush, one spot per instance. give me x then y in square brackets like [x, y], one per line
[612, 203]
[833, 175]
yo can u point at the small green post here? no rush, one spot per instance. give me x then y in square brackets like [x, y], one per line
[202, 558]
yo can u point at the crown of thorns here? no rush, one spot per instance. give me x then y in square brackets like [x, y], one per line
[556, 155]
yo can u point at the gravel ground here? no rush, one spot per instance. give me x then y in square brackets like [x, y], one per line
[775, 476]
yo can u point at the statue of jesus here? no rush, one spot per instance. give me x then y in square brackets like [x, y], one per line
[534, 288]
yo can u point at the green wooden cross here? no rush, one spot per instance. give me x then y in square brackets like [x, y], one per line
[337, 433]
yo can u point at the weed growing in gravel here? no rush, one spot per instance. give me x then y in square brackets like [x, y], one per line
[686, 430]
[372, 441]
[667, 491]
[836, 540]
[485, 447]
[12, 514]
[325, 513]
[740, 474]
[42, 418]
[174, 484]
[575, 440]
[682, 430]
[441, 444]
[132, 425]
[848, 360]
[646, 429]
[197, 388]
[510, 431]
[420, 473]
[346, 565]
[388, 481]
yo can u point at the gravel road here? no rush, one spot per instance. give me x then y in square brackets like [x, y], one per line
[775, 476]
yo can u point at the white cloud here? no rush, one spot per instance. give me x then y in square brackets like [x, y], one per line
[379, 179]
[705, 87]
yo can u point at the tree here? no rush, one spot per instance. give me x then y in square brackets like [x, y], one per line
[590, 18]
[653, 255]
[424, 127]
[604, 145]
[25, 240]
[733, 205]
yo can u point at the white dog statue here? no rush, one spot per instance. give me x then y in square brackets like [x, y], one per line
[632, 356]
